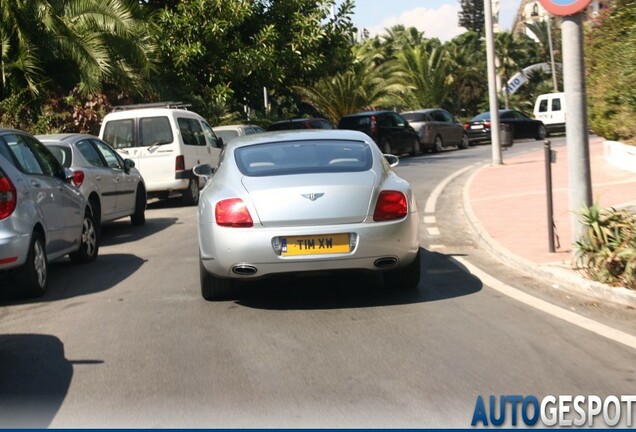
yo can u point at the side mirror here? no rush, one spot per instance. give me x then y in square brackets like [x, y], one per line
[128, 164]
[203, 170]
[393, 160]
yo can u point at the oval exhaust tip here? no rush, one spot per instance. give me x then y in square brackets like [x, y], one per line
[385, 262]
[244, 270]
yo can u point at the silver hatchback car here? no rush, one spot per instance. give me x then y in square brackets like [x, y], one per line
[43, 216]
[113, 186]
[303, 201]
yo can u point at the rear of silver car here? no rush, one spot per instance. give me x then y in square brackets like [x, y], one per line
[305, 221]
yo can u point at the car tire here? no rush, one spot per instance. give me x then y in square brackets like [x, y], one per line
[438, 145]
[96, 210]
[464, 143]
[139, 216]
[386, 147]
[417, 149]
[406, 278]
[32, 276]
[89, 246]
[191, 194]
[542, 133]
[213, 288]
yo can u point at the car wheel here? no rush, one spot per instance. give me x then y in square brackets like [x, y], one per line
[438, 146]
[213, 288]
[89, 247]
[404, 278]
[139, 216]
[464, 142]
[96, 210]
[386, 147]
[31, 277]
[191, 194]
[542, 133]
[417, 149]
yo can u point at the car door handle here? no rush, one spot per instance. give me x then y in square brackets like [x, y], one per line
[98, 178]
[35, 184]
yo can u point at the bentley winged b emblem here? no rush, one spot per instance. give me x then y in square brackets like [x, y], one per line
[312, 196]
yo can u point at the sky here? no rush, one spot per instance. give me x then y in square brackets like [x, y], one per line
[436, 18]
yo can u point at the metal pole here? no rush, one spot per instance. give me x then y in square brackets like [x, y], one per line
[492, 85]
[554, 75]
[548, 186]
[580, 181]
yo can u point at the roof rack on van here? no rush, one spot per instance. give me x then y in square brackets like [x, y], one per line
[169, 104]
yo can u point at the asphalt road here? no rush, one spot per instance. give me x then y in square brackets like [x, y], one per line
[128, 341]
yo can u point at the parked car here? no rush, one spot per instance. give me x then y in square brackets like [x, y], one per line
[301, 123]
[43, 216]
[390, 131]
[165, 140]
[113, 186]
[478, 128]
[550, 109]
[437, 129]
[283, 203]
[228, 132]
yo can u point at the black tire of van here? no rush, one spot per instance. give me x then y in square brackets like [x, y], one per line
[190, 196]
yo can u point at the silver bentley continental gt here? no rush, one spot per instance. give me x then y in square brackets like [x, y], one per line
[305, 201]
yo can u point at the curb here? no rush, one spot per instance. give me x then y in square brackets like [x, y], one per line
[556, 275]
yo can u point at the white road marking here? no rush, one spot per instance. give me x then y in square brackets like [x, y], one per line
[430, 220]
[433, 231]
[556, 311]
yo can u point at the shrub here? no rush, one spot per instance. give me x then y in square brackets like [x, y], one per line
[606, 250]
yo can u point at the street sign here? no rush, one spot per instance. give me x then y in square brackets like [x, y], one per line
[565, 7]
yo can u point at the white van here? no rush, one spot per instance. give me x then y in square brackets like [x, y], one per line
[165, 141]
[550, 109]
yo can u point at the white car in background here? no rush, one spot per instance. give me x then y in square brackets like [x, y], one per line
[228, 132]
[112, 185]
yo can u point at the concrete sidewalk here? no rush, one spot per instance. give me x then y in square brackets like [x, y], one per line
[507, 207]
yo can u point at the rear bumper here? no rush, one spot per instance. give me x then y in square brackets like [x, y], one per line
[166, 185]
[224, 248]
[13, 249]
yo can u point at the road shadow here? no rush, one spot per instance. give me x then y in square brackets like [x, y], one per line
[67, 280]
[122, 231]
[34, 379]
[347, 290]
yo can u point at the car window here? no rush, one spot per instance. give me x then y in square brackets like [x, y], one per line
[300, 157]
[112, 159]
[508, 115]
[119, 133]
[543, 105]
[556, 104]
[25, 157]
[520, 116]
[384, 120]
[445, 116]
[90, 153]
[63, 154]
[399, 120]
[415, 117]
[191, 131]
[49, 164]
[153, 131]
[210, 135]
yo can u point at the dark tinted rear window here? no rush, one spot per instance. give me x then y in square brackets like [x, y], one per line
[304, 157]
[415, 117]
[62, 154]
[354, 123]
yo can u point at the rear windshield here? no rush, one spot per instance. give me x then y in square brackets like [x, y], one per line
[304, 157]
[354, 122]
[415, 117]
[62, 154]
[226, 135]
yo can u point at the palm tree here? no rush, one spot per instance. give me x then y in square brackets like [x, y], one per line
[90, 42]
[508, 51]
[426, 76]
[362, 87]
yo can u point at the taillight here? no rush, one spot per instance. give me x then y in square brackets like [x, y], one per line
[374, 125]
[78, 178]
[466, 125]
[233, 213]
[487, 124]
[391, 205]
[8, 196]
[179, 164]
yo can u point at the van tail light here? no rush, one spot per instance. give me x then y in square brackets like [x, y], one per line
[179, 164]
[391, 205]
[233, 213]
[8, 196]
[374, 125]
[78, 178]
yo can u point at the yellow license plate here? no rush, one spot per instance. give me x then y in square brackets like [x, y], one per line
[315, 245]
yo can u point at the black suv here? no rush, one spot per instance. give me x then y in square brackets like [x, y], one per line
[300, 123]
[390, 131]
